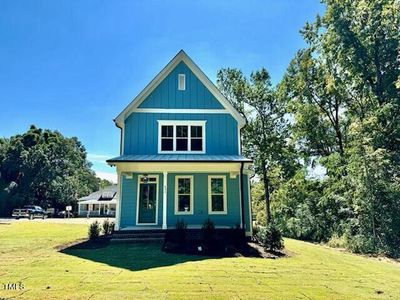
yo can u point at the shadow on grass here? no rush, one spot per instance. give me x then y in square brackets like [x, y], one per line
[131, 256]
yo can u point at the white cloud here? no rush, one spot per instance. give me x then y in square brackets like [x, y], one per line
[109, 176]
[99, 158]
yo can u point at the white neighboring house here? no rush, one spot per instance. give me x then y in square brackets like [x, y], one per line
[100, 203]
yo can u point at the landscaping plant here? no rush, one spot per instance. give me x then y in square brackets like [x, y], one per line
[270, 237]
[94, 230]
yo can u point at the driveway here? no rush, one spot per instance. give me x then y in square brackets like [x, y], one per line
[57, 220]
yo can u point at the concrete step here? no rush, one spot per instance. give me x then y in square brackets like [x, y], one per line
[138, 235]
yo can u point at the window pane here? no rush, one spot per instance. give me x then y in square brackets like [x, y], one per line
[217, 186]
[167, 131]
[166, 144]
[181, 145]
[196, 131]
[196, 145]
[181, 131]
[183, 203]
[184, 186]
[217, 202]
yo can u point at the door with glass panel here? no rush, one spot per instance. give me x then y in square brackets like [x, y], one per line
[147, 200]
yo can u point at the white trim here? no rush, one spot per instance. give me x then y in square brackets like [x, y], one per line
[181, 56]
[181, 82]
[190, 212]
[239, 140]
[137, 199]
[181, 111]
[249, 201]
[225, 196]
[165, 190]
[123, 139]
[175, 123]
[118, 204]
[240, 182]
[178, 167]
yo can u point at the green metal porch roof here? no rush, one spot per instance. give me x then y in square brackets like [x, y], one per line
[179, 158]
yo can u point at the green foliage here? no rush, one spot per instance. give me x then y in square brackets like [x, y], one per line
[270, 237]
[45, 168]
[107, 227]
[94, 230]
[341, 94]
[265, 138]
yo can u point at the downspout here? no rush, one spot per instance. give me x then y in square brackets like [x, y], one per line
[120, 139]
[242, 195]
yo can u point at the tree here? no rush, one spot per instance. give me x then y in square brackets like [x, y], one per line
[265, 135]
[343, 91]
[45, 168]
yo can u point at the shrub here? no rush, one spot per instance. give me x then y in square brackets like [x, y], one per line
[208, 230]
[94, 230]
[108, 227]
[337, 241]
[181, 227]
[270, 237]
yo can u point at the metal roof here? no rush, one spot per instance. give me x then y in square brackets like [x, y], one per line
[108, 193]
[179, 158]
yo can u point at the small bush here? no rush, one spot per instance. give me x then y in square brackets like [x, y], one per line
[362, 244]
[270, 237]
[181, 227]
[337, 241]
[94, 230]
[208, 230]
[108, 227]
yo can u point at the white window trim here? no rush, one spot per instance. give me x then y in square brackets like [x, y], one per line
[177, 212]
[181, 123]
[225, 211]
[183, 78]
[137, 199]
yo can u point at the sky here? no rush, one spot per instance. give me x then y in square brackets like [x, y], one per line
[72, 66]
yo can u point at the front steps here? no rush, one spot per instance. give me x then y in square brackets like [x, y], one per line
[139, 236]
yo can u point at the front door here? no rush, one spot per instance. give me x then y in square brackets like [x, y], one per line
[147, 201]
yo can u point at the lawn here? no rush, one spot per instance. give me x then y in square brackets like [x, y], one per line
[134, 271]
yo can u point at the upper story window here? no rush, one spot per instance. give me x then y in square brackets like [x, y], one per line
[181, 136]
[181, 82]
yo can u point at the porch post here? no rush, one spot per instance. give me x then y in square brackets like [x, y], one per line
[118, 202]
[164, 219]
[79, 209]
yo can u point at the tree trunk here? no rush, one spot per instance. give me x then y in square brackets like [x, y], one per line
[267, 194]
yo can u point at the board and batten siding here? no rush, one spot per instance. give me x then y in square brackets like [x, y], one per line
[195, 95]
[129, 200]
[200, 201]
[141, 132]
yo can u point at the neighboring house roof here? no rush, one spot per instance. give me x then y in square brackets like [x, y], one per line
[181, 56]
[107, 195]
[179, 158]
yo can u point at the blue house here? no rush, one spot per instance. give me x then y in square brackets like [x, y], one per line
[181, 155]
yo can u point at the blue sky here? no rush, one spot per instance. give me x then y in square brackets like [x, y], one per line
[74, 65]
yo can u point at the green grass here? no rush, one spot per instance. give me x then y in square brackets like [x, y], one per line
[130, 271]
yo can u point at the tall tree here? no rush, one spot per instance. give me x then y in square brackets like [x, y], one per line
[45, 168]
[264, 137]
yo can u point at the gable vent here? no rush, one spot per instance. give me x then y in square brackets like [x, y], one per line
[181, 82]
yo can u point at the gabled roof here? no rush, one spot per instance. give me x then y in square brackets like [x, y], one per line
[181, 56]
[108, 193]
